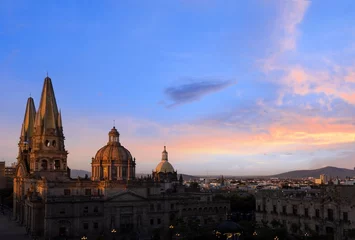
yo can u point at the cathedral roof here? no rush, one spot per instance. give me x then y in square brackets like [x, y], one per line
[164, 167]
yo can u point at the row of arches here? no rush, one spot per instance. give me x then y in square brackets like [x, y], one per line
[44, 165]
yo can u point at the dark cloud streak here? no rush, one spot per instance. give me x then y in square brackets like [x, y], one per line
[194, 91]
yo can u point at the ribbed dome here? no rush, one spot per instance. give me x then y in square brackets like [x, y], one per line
[164, 166]
[113, 150]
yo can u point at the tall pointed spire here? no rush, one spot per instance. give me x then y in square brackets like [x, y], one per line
[28, 120]
[48, 110]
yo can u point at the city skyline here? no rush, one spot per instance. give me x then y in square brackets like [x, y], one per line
[234, 88]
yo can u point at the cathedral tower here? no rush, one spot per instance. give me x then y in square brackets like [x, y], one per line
[48, 152]
[25, 144]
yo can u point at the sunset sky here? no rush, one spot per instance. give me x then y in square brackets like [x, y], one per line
[230, 87]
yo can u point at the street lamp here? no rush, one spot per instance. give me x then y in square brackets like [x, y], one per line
[84, 238]
[255, 233]
[171, 228]
[276, 238]
[306, 235]
[238, 235]
[113, 231]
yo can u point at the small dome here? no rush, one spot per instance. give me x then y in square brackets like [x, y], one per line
[164, 167]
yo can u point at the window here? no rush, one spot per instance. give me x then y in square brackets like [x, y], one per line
[86, 209]
[317, 228]
[264, 208]
[62, 211]
[317, 213]
[159, 221]
[151, 207]
[96, 209]
[56, 164]
[345, 216]
[151, 221]
[172, 206]
[87, 192]
[330, 214]
[96, 225]
[44, 165]
[159, 206]
[306, 212]
[274, 208]
[85, 225]
[284, 209]
[66, 192]
[259, 209]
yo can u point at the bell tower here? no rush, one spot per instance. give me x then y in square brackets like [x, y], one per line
[48, 155]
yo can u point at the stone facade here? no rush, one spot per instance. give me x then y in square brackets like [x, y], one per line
[328, 211]
[50, 204]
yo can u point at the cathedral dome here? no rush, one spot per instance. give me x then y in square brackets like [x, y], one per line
[164, 166]
[113, 151]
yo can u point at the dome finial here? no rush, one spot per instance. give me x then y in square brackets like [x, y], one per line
[114, 124]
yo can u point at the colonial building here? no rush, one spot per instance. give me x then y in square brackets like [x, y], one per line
[328, 211]
[50, 204]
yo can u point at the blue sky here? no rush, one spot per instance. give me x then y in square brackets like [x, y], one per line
[231, 87]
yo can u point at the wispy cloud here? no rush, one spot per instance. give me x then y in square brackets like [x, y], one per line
[292, 15]
[194, 91]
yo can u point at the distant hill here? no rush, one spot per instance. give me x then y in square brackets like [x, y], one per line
[74, 173]
[329, 171]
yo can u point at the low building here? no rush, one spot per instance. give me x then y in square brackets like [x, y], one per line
[329, 210]
[2, 169]
[10, 171]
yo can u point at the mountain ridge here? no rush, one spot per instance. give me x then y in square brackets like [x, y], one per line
[315, 173]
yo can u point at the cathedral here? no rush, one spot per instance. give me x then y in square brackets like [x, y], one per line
[113, 202]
